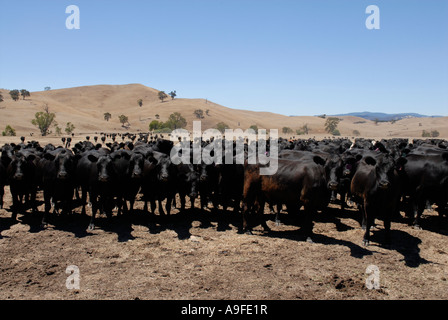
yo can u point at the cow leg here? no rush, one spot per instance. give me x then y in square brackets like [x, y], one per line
[47, 206]
[2, 192]
[83, 201]
[168, 203]
[308, 224]
[161, 212]
[95, 208]
[417, 209]
[369, 219]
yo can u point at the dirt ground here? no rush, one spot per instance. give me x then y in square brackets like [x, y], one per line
[203, 256]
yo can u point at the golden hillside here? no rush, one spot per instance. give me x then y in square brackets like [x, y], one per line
[85, 107]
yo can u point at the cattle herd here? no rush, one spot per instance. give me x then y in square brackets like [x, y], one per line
[383, 178]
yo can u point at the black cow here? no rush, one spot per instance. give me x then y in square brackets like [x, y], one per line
[425, 179]
[159, 181]
[187, 180]
[295, 183]
[21, 177]
[374, 188]
[208, 184]
[57, 179]
[94, 174]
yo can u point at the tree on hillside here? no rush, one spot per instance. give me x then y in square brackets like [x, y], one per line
[331, 124]
[162, 95]
[1, 97]
[199, 113]
[286, 130]
[176, 121]
[69, 128]
[123, 119]
[254, 127]
[155, 125]
[173, 94]
[47, 88]
[25, 93]
[44, 120]
[9, 131]
[15, 94]
[107, 116]
[221, 126]
[140, 102]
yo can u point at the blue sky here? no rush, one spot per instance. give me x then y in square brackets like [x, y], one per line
[294, 57]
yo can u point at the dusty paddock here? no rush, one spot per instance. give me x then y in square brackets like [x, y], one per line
[202, 256]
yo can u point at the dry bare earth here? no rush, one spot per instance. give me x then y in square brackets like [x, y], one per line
[85, 108]
[203, 256]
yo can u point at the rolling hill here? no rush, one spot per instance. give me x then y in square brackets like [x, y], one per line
[85, 107]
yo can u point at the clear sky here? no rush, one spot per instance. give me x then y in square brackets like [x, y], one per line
[294, 57]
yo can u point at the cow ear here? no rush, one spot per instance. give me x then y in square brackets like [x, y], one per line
[92, 158]
[30, 157]
[370, 161]
[319, 160]
[49, 156]
[400, 163]
[358, 157]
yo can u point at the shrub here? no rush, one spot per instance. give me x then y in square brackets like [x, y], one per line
[9, 131]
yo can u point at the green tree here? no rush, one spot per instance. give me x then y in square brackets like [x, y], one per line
[157, 116]
[25, 93]
[254, 127]
[331, 124]
[140, 102]
[1, 97]
[426, 134]
[356, 133]
[156, 125]
[221, 126]
[435, 133]
[199, 113]
[286, 130]
[57, 130]
[44, 120]
[47, 88]
[15, 94]
[69, 128]
[107, 116]
[176, 121]
[162, 95]
[9, 131]
[173, 94]
[123, 119]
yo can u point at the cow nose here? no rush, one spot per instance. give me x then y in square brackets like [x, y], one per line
[203, 178]
[103, 178]
[346, 173]
[136, 175]
[384, 184]
[333, 185]
[62, 175]
[18, 176]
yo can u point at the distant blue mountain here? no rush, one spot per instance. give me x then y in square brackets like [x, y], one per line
[385, 116]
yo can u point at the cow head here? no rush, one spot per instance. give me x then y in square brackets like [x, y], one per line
[20, 165]
[136, 165]
[384, 167]
[105, 167]
[64, 162]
